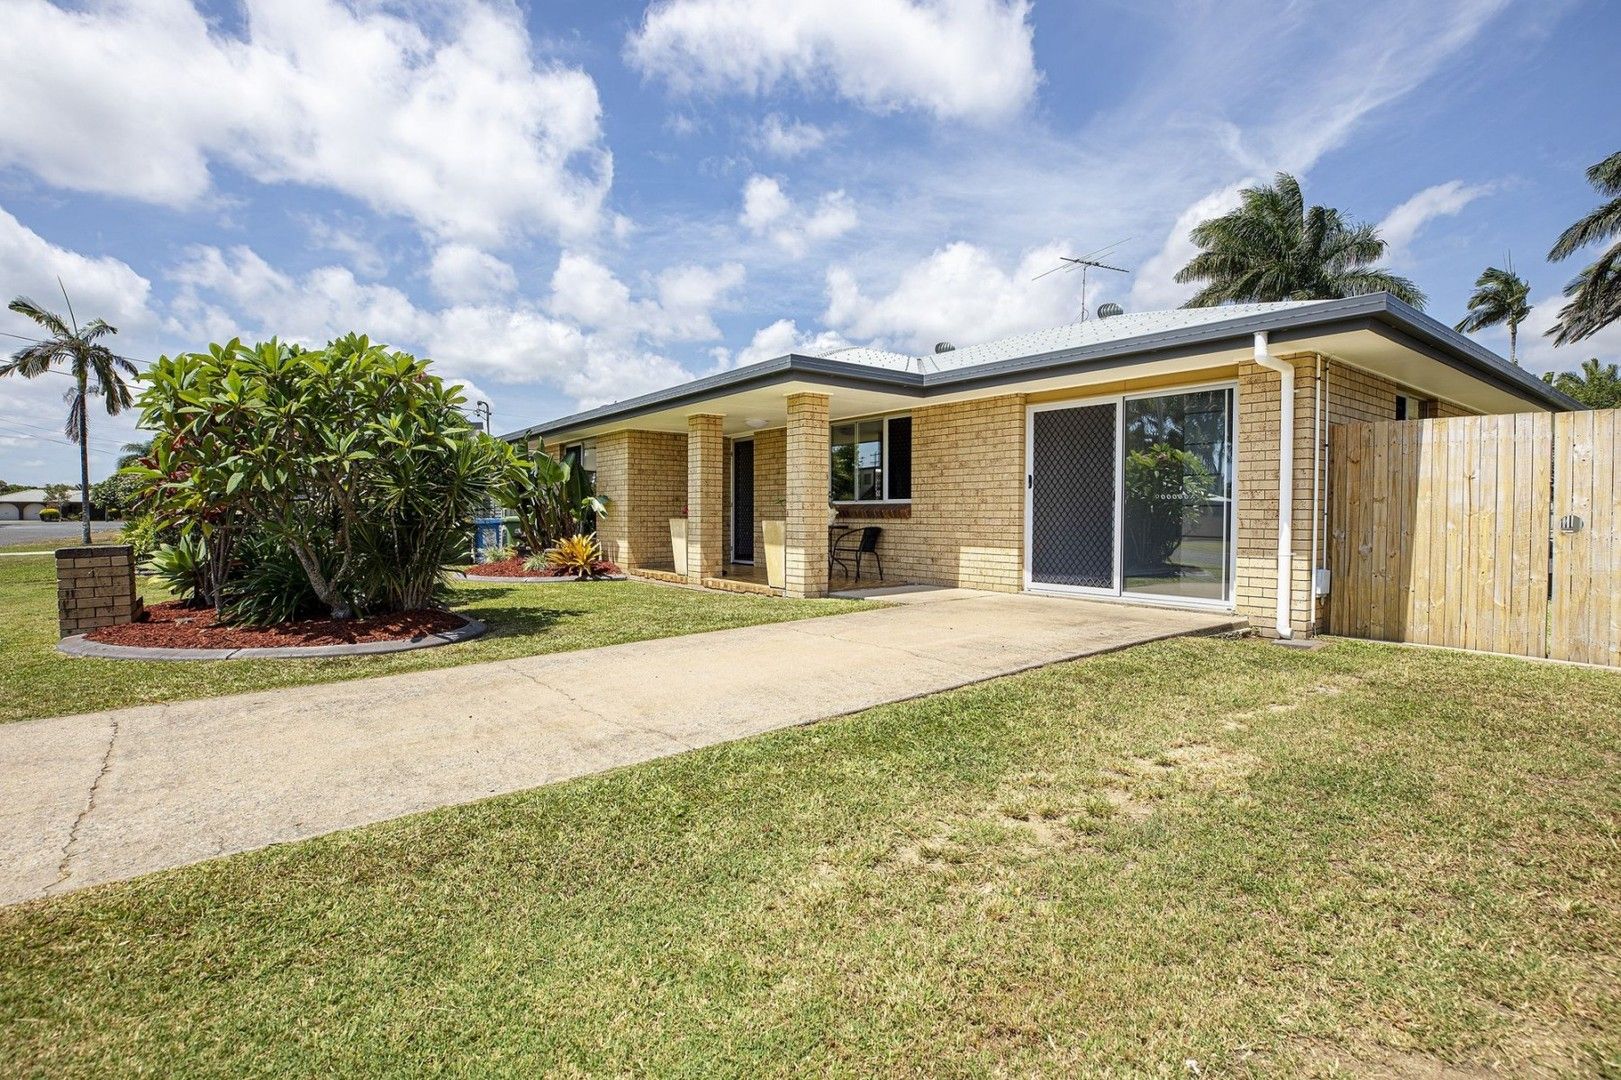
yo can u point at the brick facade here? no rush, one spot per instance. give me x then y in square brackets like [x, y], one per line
[964, 525]
[643, 475]
[95, 586]
[707, 451]
[805, 470]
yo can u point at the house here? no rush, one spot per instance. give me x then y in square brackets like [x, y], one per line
[25, 505]
[1166, 457]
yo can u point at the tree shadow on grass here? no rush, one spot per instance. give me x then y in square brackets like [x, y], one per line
[516, 617]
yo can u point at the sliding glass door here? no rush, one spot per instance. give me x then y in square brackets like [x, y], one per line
[1133, 496]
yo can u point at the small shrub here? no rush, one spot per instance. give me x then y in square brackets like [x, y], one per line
[269, 586]
[141, 533]
[499, 553]
[50, 513]
[573, 556]
[182, 567]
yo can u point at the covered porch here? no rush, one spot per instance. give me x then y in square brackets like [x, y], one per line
[700, 506]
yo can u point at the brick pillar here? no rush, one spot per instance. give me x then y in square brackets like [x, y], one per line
[706, 497]
[806, 502]
[95, 586]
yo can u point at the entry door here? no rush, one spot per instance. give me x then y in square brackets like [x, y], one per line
[743, 501]
[1074, 460]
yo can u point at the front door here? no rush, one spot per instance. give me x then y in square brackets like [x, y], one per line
[1074, 454]
[743, 501]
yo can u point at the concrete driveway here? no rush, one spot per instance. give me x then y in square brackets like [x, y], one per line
[105, 796]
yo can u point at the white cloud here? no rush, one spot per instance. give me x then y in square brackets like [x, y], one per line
[462, 273]
[768, 211]
[101, 287]
[957, 59]
[960, 293]
[779, 339]
[788, 138]
[1403, 224]
[594, 339]
[459, 131]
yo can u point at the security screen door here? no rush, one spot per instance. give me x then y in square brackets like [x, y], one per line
[1073, 470]
[1133, 496]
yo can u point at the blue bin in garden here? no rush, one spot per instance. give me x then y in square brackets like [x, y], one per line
[488, 533]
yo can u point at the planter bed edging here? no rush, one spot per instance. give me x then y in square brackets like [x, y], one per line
[79, 645]
[475, 578]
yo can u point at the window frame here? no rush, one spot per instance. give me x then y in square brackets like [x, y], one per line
[883, 459]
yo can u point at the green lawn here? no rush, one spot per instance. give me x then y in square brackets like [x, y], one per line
[1359, 860]
[36, 680]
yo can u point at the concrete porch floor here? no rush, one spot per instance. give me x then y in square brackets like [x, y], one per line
[111, 795]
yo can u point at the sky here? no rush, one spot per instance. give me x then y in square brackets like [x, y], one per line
[573, 202]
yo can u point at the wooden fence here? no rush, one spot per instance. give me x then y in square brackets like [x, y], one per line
[1498, 533]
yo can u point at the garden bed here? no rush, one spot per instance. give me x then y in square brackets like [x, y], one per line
[514, 570]
[174, 630]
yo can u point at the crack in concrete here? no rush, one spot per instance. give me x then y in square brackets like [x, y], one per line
[69, 849]
[617, 722]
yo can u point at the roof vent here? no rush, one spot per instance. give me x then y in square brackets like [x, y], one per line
[944, 346]
[1110, 310]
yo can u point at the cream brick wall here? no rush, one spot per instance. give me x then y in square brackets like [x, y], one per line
[1255, 586]
[805, 487]
[967, 514]
[643, 474]
[707, 450]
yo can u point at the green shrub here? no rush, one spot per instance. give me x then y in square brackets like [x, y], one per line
[143, 534]
[550, 501]
[50, 513]
[268, 587]
[182, 568]
[354, 459]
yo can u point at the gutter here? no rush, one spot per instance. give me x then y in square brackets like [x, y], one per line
[1286, 477]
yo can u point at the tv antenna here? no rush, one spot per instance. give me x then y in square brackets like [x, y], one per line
[1085, 263]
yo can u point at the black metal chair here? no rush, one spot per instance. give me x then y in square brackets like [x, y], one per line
[866, 543]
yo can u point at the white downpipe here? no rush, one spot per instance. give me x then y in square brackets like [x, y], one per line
[1286, 478]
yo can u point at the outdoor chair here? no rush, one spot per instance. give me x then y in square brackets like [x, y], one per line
[865, 542]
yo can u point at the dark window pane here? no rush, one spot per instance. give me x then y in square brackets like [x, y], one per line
[900, 457]
[1178, 527]
[842, 487]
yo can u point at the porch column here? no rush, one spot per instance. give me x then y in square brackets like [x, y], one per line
[806, 503]
[706, 497]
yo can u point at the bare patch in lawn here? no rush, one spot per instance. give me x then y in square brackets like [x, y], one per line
[1535, 1051]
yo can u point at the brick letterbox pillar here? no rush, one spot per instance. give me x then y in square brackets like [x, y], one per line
[95, 586]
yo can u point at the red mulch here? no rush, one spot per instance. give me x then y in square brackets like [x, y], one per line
[514, 568]
[173, 625]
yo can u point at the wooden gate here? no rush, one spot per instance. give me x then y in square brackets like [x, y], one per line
[1497, 533]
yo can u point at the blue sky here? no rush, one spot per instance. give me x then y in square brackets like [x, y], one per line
[567, 203]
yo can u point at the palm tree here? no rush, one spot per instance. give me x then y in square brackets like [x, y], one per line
[96, 370]
[1274, 247]
[1597, 387]
[1595, 294]
[132, 452]
[1500, 296]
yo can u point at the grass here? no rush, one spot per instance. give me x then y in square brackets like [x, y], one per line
[525, 620]
[1357, 860]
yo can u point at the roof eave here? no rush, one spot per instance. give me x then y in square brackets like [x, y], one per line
[1424, 334]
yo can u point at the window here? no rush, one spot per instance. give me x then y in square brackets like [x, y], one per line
[871, 460]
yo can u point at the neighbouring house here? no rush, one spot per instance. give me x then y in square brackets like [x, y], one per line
[1166, 457]
[25, 505]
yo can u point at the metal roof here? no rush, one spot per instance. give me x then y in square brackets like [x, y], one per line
[34, 495]
[1052, 339]
[1090, 345]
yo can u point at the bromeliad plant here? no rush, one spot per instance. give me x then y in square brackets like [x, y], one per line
[576, 556]
[353, 458]
[551, 499]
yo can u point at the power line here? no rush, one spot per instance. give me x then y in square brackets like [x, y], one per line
[16, 434]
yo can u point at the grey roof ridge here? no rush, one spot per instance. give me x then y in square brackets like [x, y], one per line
[1381, 306]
